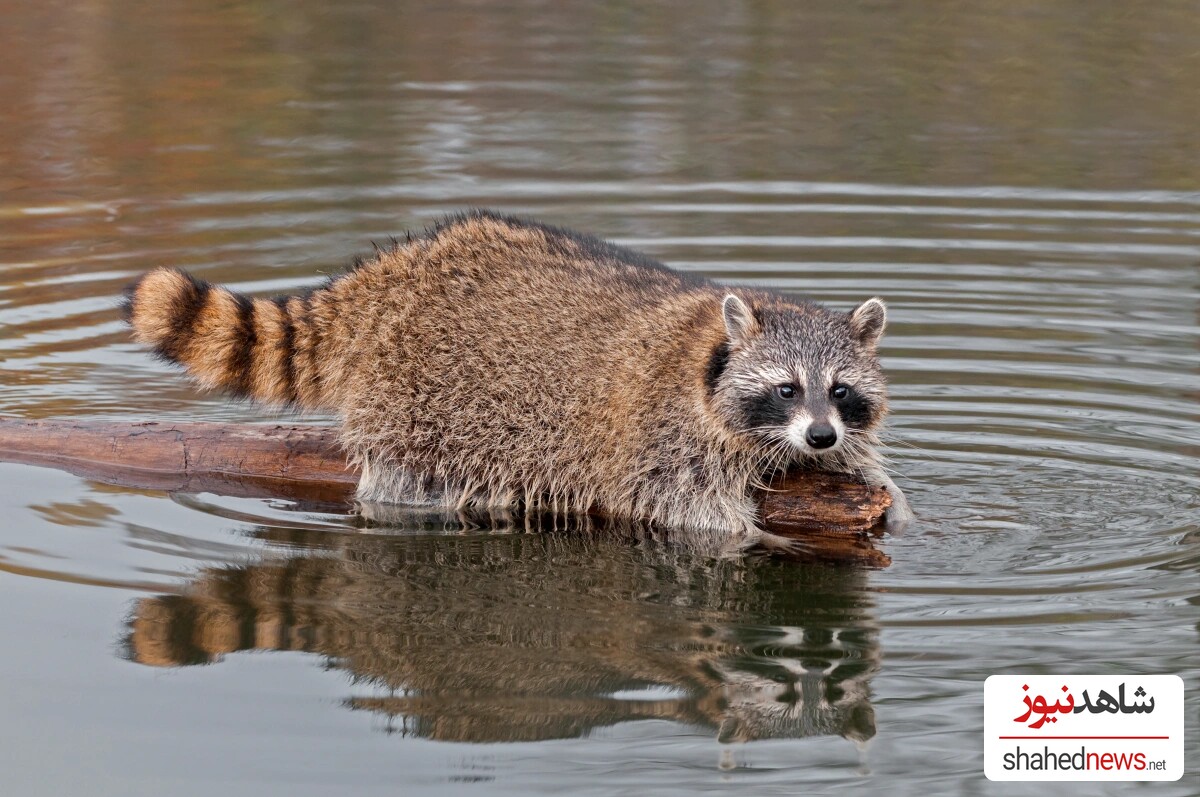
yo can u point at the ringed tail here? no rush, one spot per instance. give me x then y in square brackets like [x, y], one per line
[268, 350]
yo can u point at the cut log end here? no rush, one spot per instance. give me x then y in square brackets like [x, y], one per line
[833, 516]
[830, 516]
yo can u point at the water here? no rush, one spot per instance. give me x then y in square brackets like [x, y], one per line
[1021, 182]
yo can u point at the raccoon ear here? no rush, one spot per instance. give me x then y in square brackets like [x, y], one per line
[868, 320]
[740, 323]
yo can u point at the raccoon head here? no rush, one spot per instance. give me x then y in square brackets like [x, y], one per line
[803, 381]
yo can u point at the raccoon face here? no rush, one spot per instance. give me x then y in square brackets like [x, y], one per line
[802, 380]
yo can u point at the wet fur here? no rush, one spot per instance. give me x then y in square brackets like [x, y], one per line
[501, 362]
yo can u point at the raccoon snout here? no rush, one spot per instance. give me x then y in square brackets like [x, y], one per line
[821, 435]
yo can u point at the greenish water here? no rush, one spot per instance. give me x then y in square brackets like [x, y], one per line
[1021, 182]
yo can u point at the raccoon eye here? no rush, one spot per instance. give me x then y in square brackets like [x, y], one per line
[839, 392]
[785, 392]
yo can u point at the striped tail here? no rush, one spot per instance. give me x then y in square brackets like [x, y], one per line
[264, 349]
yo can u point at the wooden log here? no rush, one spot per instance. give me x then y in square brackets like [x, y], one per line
[243, 460]
[833, 514]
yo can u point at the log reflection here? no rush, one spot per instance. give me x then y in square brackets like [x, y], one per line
[520, 637]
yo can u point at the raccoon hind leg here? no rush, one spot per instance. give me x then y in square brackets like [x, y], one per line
[386, 483]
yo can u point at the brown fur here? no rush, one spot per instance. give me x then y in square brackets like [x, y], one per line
[496, 362]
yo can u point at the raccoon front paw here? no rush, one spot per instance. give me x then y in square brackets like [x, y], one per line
[899, 515]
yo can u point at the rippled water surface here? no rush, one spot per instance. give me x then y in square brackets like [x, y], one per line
[1020, 182]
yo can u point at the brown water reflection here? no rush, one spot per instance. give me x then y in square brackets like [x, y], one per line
[501, 638]
[276, 95]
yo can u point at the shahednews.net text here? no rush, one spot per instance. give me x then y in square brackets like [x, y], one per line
[1083, 760]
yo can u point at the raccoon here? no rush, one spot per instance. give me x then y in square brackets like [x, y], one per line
[498, 362]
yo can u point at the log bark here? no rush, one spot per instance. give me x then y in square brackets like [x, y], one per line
[831, 514]
[300, 462]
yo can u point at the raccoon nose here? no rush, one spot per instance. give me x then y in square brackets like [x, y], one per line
[821, 435]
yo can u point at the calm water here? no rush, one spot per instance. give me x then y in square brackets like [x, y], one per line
[1021, 183]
